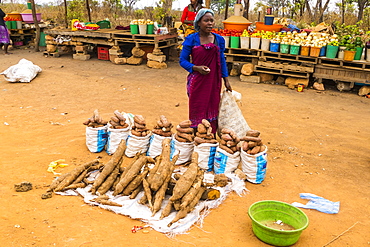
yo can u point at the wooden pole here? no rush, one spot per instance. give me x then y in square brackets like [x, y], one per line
[37, 39]
[227, 8]
[88, 10]
[65, 13]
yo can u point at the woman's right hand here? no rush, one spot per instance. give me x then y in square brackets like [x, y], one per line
[204, 70]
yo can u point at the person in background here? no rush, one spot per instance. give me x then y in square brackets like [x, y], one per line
[4, 33]
[206, 68]
[190, 11]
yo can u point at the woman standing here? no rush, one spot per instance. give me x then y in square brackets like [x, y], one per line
[207, 68]
[190, 11]
[4, 33]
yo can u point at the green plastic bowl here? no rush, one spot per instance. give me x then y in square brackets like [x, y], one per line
[266, 216]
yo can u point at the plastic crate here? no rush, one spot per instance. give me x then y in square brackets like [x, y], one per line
[103, 53]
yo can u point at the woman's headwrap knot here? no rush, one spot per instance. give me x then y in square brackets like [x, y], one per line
[199, 16]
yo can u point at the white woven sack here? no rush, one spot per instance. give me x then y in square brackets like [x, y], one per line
[96, 138]
[155, 145]
[136, 144]
[226, 162]
[23, 71]
[206, 155]
[254, 166]
[230, 116]
[184, 149]
[114, 138]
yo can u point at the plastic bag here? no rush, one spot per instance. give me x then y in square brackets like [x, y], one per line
[206, 152]
[96, 138]
[23, 71]
[184, 149]
[114, 138]
[226, 162]
[318, 203]
[230, 116]
[254, 166]
[137, 144]
[155, 145]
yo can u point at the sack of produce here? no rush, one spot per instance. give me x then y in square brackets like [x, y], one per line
[23, 71]
[155, 145]
[138, 139]
[226, 162]
[254, 166]
[96, 138]
[206, 152]
[96, 132]
[183, 149]
[118, 129]
[230, 116]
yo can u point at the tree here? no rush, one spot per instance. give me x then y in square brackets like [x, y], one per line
[318, 14]
[362, 4]
[219, 5]
[129, 4]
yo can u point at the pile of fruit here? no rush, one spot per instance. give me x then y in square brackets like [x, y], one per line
[142, 22]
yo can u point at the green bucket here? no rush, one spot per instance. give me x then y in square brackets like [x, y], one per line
[8, 25]
[358, 53]
[294, 49]
[13, 25]
[134, 28]
[284, 48]
[234, 42]
[150, 29]
[331, 51]
[277, 223]
[42, 39]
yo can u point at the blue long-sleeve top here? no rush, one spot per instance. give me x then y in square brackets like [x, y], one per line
[194, 40]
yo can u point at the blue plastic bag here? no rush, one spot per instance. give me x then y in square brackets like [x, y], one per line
[318, 203]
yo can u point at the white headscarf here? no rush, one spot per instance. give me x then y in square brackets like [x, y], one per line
[199, 16]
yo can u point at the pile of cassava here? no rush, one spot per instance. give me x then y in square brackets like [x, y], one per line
[155, 177]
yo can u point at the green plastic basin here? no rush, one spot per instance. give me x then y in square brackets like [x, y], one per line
[277, 223]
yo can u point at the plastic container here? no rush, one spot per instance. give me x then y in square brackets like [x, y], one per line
[331, 51]
[294, 49]
[19, 24]
[237, 23]
[367, 54]
[284, 48]
[28, 18]
[305, 50]
[18, 43]
[8, 25]
[103, 53]
[134, 28]
[255, 43]
[269, 19]
[42, 39]
[274, 27]
[266, 216]
[234, 42]
[244, 42]
[265, 44]
[315, 51]
[150, 29]
[104, 24]
[227, 41]
[349, 55]
[358, 54]
[274, 47]
[14, 15]
[322, 51]
[142, 28]
[29, 5]
[341, 52]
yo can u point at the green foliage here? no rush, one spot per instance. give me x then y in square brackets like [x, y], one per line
[218, 5]
[139, 14]
[76, 10]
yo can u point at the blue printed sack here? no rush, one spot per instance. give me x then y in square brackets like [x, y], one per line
[114, 138]
[155, 145]
[254, 166]
[226, 162]
[96, 138]
[206, 155]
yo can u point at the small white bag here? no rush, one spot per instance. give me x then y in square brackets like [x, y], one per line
[226, 162]
[254, 166]
[184, 149]
[206, 152]
[136, 144]
[114, 138]
[23, 71]
[155, 145]
[96, 138]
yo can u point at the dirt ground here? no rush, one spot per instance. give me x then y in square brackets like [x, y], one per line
[318, 142]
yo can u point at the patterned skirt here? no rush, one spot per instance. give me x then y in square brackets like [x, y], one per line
[4, 35]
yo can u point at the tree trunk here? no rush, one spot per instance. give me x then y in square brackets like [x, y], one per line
[246, 9]
[37, 39]
[88, 10]
[361, 5]
[65, 13]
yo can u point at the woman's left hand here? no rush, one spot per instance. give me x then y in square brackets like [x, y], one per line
[227, 84]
